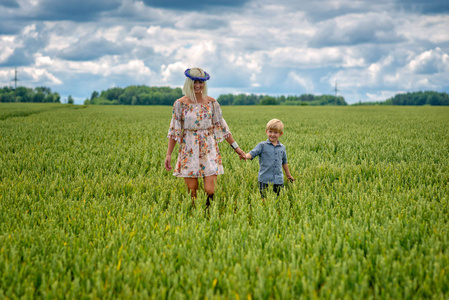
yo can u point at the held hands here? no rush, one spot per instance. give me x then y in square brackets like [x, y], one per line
[241, 154]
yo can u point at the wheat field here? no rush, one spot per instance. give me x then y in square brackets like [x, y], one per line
[87, 210]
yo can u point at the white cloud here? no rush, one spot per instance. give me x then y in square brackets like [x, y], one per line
[171, 72]
[7, 46]
[430, 62]
[306, 83]
[249, 62]
[6, 76]
[424, 29]
[43, 61]
[370, 76]
[198, 54]
[30, 31]
[132, 68]
[354, 29]
[40, 76]
[315, 58]
[105, 67]
[197, 21]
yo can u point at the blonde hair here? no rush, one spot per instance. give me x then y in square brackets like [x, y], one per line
[275, 125]
[188, 84]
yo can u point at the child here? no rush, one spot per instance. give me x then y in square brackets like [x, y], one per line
[272, 159]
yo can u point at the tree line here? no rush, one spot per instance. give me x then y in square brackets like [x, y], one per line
[145, 95]
[22, 94]
[419, 98]
[135, 95]
[306, 99]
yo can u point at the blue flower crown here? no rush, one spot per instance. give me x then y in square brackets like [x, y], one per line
[206, 76]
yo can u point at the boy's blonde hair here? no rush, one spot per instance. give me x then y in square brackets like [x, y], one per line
[188, 84]
[275, 125]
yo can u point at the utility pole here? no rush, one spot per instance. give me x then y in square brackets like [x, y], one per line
[15, 84]
[15, 78]
[336, 90]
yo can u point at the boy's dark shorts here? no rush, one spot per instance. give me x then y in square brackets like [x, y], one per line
[263, 186]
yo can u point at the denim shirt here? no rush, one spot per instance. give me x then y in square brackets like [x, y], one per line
[271, 159]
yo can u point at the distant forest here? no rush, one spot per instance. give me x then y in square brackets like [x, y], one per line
[136, 95]
[414, 99]
[420, 98]
[23, 94]
[145, 95]
[307, 99]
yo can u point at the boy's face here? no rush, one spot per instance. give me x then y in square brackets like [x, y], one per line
[273, 135]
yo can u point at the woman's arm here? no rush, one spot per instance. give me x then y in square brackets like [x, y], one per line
[239, 151]
[171, 146]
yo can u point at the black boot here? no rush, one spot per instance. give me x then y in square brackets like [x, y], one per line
[209, 199]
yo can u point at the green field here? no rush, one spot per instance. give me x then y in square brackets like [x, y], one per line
[88, 211]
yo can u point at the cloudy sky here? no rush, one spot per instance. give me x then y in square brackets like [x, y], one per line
[371, 49]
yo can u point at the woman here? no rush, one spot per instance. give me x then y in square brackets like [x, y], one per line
[197, 125]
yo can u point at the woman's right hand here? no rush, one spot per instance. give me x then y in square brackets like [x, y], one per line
[167, 163]
[241, 153]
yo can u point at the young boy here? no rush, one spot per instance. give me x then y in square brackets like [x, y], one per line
[272, 159]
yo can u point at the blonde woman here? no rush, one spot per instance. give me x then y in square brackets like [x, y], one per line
[198, 126]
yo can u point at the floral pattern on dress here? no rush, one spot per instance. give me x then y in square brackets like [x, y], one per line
[198, 128]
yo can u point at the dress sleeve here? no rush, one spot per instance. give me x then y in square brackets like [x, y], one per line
[176, 124]
[221, 129]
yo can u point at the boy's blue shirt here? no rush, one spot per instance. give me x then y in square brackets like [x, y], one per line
[271, 159]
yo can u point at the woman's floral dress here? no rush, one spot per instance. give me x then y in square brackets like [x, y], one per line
[198, 128]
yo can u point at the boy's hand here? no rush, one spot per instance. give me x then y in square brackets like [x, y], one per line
[290, 178]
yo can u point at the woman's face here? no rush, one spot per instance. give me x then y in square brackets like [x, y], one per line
[198, 86]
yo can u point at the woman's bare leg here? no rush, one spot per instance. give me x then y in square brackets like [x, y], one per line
[192, 185]
[209, 187]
